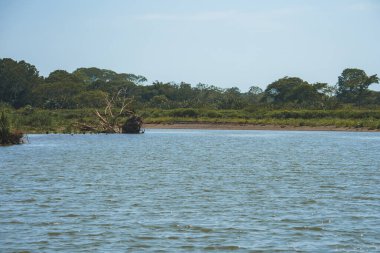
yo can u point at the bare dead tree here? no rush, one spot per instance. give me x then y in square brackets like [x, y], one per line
[109, 119]
[117, 106]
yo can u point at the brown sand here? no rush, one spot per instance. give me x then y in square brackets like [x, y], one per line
[236, 126]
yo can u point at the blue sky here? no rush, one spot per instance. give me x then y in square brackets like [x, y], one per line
[220, 42]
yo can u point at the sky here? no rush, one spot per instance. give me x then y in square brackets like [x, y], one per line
[226, 43]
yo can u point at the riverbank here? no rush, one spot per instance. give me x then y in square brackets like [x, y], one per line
[69, 120]
[233, 126]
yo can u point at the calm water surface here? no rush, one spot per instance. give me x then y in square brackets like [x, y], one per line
[192, 190]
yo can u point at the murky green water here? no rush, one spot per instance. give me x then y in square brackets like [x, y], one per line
[191, 190]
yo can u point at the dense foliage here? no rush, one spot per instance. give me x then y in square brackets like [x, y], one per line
[21, 85]
[8, 137]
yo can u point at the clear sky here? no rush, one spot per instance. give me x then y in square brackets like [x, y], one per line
[220, 42]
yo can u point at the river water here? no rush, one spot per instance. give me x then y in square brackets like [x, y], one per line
[192, 190]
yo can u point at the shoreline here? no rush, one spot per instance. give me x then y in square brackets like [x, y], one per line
[237, 126]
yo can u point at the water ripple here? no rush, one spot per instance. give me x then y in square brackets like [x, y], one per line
[181, 191]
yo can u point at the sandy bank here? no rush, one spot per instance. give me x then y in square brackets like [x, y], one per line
[235, 126]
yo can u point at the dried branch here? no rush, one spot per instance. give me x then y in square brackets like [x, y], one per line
[108, 121]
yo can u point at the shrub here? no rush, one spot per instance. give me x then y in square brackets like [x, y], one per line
[37, 119]
[6, 136]
[186, 112]
[213, 114]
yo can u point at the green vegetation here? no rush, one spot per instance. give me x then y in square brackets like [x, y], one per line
[7, 137]
[66, 120]
[63, 101]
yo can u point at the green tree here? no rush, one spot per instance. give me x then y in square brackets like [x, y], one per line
[63, 76]
[232, 99]
[294, 90]
[353, 85]
[57, 95]
[160, 101]
[91, 75]
[254, 95]
[207, 96]
[255, 90]
[185, 92]
[90, 99]
[17, 79]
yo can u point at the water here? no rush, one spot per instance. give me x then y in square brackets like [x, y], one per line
[192, 190]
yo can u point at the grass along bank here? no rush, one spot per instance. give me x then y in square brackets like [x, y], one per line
[31, 120]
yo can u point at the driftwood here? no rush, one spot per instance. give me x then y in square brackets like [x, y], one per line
[117, 107]
[133, 125]
[86, 128]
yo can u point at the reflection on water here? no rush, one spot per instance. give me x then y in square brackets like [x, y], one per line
[192, 190]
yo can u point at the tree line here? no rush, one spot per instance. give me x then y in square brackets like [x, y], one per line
[21, 85]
